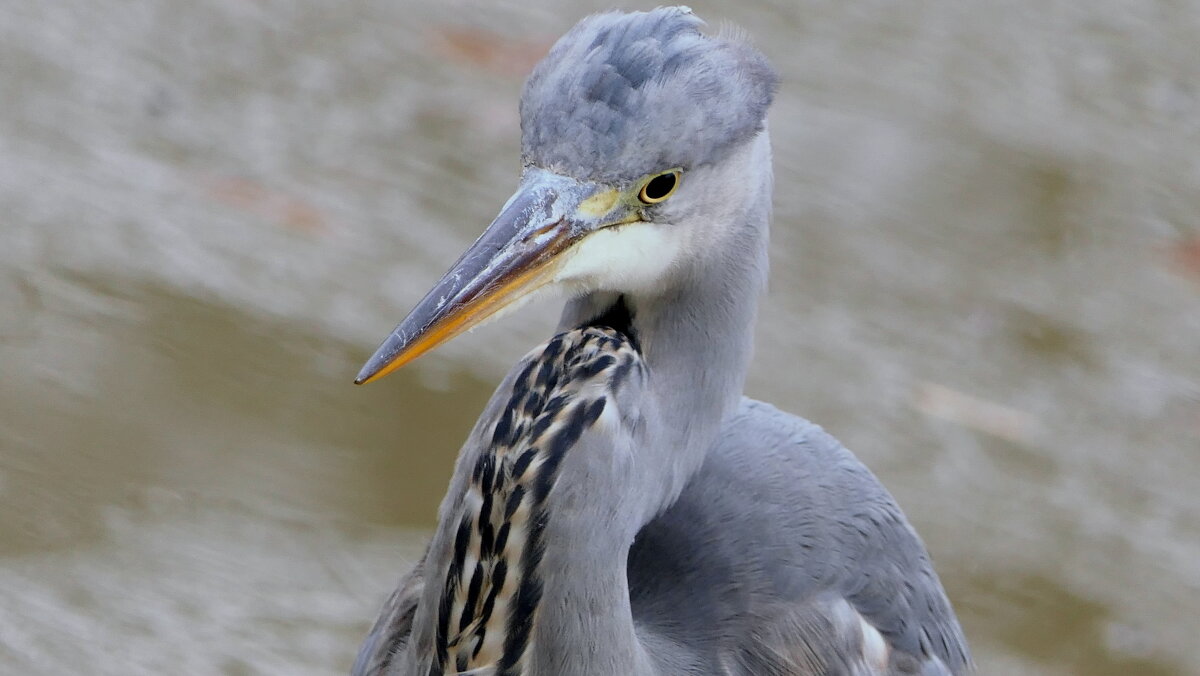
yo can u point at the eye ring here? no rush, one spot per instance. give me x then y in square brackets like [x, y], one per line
[660, 187]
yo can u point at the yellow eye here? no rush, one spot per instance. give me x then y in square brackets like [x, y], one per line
[660, 187]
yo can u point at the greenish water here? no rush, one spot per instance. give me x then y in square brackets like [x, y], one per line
[985, 282]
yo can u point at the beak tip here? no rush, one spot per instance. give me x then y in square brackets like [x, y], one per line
[385, 360]
[366, 375]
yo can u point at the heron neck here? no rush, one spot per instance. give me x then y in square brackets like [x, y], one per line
[696, 340]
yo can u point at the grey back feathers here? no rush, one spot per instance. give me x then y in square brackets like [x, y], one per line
[623, 95]
[817, 571]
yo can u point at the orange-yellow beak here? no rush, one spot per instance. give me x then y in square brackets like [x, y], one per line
[515, 256]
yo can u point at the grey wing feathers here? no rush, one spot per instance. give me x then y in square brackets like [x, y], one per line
[785, 557]
[392, 629]
[825, 636]
[870, 602]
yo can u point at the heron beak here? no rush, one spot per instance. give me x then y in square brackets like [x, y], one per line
[517, 254]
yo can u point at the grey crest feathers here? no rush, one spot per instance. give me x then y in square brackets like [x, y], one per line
[624, 95]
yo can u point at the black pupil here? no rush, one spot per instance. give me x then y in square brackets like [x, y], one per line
[660, 186]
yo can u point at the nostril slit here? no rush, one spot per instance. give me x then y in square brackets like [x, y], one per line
[543, 230]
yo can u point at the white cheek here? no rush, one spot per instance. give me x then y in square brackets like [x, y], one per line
[629, 258]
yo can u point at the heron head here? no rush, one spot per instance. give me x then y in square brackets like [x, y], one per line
[641, 139]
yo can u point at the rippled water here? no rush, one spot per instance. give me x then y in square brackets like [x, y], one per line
[986, 281]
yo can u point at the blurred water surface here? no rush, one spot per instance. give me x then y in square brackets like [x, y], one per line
[986, 281]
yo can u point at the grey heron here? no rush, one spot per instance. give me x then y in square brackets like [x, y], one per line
[620, 508]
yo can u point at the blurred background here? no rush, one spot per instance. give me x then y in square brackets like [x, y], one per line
[986, 282]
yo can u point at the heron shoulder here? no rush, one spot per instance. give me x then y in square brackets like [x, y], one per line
[819, 560]
[881, 566]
